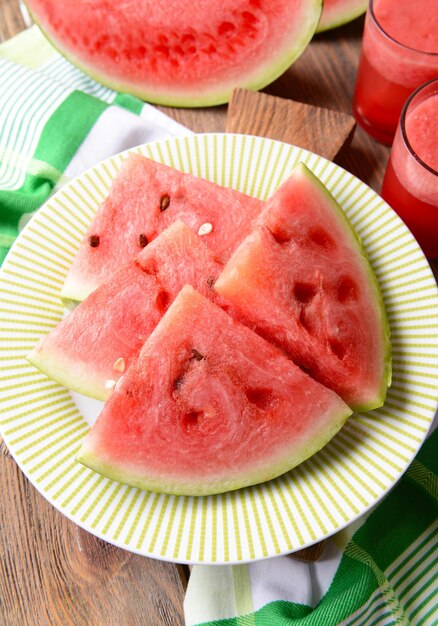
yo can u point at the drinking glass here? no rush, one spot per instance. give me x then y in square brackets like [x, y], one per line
[389, 71]
[410, 185]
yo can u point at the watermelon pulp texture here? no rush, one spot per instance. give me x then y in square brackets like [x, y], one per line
[317, 297]
[208, 407]
[179, 52]
[91, 348]
[338, 12]
[144, 199]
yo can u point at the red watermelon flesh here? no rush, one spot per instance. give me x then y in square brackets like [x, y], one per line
[315, 292]
[145, 198]
[209, 406]
[180, 52]
[91, 348]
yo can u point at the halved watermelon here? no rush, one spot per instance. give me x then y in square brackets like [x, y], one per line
[338, 12]
[180, 53]
[91, 348]
[144, 199]
[209, 406]
[302, 280]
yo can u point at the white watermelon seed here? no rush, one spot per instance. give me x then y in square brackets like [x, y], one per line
[109, 384]
[119, 365]
[205, 229]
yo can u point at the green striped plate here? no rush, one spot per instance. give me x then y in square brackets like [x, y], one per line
[44, 424]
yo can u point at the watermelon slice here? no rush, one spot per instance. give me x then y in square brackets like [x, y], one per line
[91, 348]
[180, 53]
[144, 199]
[208, 407]
[317, 297]
[338, 12]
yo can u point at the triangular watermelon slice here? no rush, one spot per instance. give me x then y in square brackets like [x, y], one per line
[144, 199]
[302, 280]
[208, 407]
[90, 349]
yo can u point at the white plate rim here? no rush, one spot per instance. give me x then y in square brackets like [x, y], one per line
[216, 139]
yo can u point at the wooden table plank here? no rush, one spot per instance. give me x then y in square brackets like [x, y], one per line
[11, 19]
[317, 129]
[51, 572]
[54, 573]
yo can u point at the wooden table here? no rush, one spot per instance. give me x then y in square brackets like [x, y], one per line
[51, 571]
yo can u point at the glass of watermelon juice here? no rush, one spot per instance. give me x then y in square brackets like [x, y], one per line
[399, 53]
[410, 185]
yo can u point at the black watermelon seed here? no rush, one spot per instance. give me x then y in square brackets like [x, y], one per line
[94, 240]
[142, 240]
[164, 202]
[197, 355]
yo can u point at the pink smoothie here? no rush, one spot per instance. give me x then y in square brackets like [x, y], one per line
[399, 53]
[413, 23]
[409, 186]
[421, 126]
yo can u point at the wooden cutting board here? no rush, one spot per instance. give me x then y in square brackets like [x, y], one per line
[316, 129]
[319, 130]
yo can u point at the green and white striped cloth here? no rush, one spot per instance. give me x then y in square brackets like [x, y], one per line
[54, 123]
[380, 571]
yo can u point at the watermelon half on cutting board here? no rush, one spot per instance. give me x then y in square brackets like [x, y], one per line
[303, 281]
[180, 52]
[209, 407]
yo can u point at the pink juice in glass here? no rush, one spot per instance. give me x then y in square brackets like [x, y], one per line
[411, 180]
[399, 53]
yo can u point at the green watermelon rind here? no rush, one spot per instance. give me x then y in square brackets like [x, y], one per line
[356, 241]
[57, 367]
[290, 457]
[193, 98]
[336, 18]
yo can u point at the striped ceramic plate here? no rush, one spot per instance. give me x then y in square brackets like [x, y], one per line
[43, 424]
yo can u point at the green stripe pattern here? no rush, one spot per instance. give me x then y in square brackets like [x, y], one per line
[56, 67]
[44, 425]
[387, 574]
[21, 131]
[41, 131]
